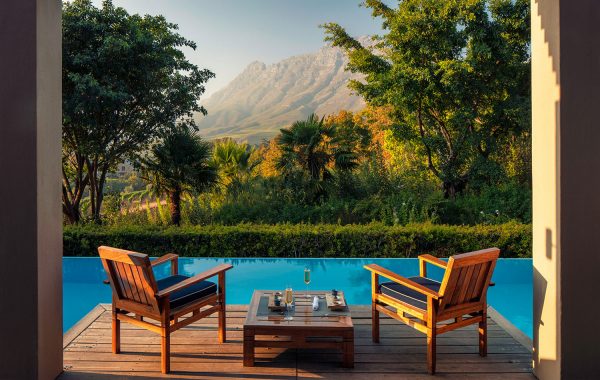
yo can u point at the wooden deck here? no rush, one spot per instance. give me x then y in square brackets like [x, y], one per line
[197, 355]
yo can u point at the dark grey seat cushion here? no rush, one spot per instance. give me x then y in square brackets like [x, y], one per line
[190, 294]
[408, 295]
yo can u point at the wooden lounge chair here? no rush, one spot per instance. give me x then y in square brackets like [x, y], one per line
[173, 302]
[460, 297]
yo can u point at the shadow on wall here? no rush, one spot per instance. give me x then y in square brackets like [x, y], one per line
[545, 24]
[539, 292]
[548, 12]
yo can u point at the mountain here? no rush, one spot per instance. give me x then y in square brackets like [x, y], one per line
[264, 98]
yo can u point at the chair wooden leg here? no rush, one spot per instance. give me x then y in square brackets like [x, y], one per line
[165, 350]
[375, 322]
[483, 335]
[222, 314]
[165, 338]
[431, 345]
[374, 312]
[116, 332]
[432, 310]
[222, 325]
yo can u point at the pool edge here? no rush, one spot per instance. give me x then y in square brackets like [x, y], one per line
[83, 323]
[511, 329]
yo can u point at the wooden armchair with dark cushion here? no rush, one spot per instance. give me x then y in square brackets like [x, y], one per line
[422, 303]
[172, 302]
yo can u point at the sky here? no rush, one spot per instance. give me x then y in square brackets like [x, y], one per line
[230, 34]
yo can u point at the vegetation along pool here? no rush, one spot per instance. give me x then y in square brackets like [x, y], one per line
[512, 296]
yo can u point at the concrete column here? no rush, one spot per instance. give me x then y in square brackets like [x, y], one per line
[30, 205]
[566, 187]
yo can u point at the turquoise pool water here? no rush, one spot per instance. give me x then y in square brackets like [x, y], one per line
[512, 296]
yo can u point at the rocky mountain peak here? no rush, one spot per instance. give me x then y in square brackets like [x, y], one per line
[264, 98]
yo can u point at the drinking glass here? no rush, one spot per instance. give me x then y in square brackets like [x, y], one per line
[289, 299]
[307, 280]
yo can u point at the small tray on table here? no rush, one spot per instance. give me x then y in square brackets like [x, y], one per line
[336, 303]
[273, 307]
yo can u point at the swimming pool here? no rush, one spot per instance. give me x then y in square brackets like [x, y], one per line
[512, 296]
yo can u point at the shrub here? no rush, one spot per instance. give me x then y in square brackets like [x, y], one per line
[492, 205]
[302, 240]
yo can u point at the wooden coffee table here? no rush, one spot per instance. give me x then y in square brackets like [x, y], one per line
[328, 330]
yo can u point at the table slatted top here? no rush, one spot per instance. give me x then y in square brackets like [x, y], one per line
[303, 316]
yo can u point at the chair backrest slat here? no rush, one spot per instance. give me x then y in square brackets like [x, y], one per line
[449, 282]
[131, 277]
[135, 272]
[466, 275]
[467, 278]
[136, 288]
[460, 278]
[149, 285]
[480, 279]
[477, 270]
[123, 279]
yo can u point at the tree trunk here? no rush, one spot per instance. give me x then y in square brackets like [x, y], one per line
[73, 189]
[97, 175]
[91, 169]
[71, 212]
[452, 188]
[100, 192]
[175, 206]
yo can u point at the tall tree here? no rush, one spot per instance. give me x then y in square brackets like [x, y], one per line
[314, 147]
[126, 82]
[236, 162]
[351, 134]
[179, 164]
[456, 75]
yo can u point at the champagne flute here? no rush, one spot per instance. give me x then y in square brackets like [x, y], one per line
[307, 280]
[289, 299]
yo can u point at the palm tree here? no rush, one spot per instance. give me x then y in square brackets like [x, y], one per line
[179, 164]
[312, 146]
[235, 162]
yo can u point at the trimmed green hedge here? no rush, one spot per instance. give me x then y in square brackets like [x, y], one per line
[302, 240]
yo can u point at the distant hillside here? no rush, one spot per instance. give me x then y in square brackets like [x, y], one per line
[263, 99]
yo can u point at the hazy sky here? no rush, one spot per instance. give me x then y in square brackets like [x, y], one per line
[232, 33]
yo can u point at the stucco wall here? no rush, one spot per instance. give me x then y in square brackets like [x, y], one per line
[566, 187]
[30, 216]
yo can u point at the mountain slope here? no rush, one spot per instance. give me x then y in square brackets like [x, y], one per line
[264, 98]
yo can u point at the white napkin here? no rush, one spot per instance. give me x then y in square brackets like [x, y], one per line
[316, 303]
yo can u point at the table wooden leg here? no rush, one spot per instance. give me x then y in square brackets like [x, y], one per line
[248, 347]
[348, 350]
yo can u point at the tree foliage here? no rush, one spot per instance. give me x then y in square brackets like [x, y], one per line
[236, 162]
[456, 75]
[390, 184]
[179, 164]
[445, 136]
[315, 147]
[126, 82]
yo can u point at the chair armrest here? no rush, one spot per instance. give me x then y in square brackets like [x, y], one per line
[424, 259]
[164, 258]
[173, 258]
[402, 280]
[219, 269]
[433, 260]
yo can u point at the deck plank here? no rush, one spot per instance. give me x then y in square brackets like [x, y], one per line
[197, 355]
